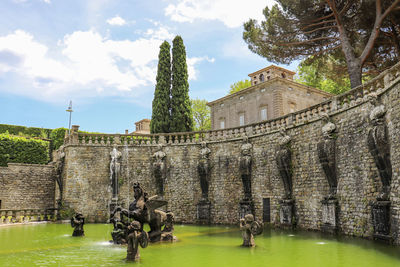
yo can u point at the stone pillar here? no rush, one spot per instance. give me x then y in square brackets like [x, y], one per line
[287, 213]
[73, 137]
[329, 215]
[204, 211]
[381, 220]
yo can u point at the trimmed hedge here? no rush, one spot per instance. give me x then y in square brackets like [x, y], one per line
[25, 131]
[57, 135]
[23, 150]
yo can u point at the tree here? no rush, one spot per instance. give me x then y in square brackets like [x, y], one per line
[325, 73]
[181, 113]
[201, 115]
[160, 118]
[366, 31]
[240, 85]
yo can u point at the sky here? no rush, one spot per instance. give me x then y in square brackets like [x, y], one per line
[102, 55]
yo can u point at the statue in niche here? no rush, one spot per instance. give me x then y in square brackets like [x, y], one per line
[327, 153]
[284, 162]
[144, 210]
[77, 222]
[59, 166]
[115, 167]
[159, 169]
[245, 162]
[378, 145]
[136, 237]
[204, 169]
[250, 228]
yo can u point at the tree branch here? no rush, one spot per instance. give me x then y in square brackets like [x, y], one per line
[309, 41]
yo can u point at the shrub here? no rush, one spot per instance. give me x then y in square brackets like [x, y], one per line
[23, 150]
[25, 131]
[57, 135]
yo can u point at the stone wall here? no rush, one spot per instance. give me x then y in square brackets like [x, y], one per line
[27, 186]
[87, 180]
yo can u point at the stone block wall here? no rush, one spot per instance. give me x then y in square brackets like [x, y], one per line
[27, 186]
[87, 174]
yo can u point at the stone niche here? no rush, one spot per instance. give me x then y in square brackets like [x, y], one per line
[381, 220]
[204, 212]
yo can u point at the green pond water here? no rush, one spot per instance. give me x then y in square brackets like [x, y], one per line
[53, 245]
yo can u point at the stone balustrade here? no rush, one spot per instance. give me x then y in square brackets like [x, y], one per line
[335, 104]
[26, 215]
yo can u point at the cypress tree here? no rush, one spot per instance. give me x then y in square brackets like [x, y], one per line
[160, 118]
[181, 113]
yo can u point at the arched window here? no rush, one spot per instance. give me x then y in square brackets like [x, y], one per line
[283, 75]
[261, 77]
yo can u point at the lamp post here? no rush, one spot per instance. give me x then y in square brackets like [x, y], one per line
[70, 115]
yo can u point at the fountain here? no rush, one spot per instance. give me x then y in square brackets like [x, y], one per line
[245, 162]
[250, 228]
[77, 222]
[115, 167]
[159, 169]
[204, 171]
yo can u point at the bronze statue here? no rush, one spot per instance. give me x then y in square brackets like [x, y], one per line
[159, 169]
[144, 210]
[327, 153]
[250, 228]
[119, 233]
[378, 145]
[204, 169]
[77, 222]
[284, 163]
[245, 162]
[136, 237]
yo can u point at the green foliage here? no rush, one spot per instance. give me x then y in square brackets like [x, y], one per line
[22, 150]
[325, 74]
[25, 131]
[356, 31]
[201, 115]
[57, 135]
[181, 112]
[160, 118]
[240, 85]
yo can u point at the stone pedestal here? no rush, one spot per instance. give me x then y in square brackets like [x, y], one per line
[381, 220]
[245, 207]
[204, 212]
[329, 215]
[286, 213]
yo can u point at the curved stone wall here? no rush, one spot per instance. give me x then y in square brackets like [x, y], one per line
[87, 165]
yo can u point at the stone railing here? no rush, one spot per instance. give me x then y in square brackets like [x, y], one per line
[26, 215]
[339, 103]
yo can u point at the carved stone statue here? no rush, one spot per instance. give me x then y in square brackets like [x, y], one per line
[327, 154]
[59, 166]
[378, 145]
[245, 162]
[77, 222]
[250, 228]
[115, 167]
[284, 163]
[159, 169]
[168, 230]
[144, 210]
[204, 169]
[136, 237]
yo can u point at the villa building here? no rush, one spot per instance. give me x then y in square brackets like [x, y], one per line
[273, 93]
[142, 127]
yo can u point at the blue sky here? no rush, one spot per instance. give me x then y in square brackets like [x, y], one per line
[102, 55]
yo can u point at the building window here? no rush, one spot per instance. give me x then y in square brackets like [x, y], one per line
[255, 82]
[263, 113]
[261, 77]
[241, 97]
[222, 105]
[290, 88]
[268, 77]
[292, 107]
[241, 119]
[222, 124]
[283, 75]
[262, 90]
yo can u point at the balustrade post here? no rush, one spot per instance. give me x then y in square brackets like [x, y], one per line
[74, 137]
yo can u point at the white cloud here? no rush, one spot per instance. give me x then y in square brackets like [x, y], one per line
[116, 21]
[84, 64]
[231, 13]
[191, 62]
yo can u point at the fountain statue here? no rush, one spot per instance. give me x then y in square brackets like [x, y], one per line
[136, 237]
[245, 162]
[119, 233]
[327, 154]
[250, 228]
[115, 167]
[59, 166]
[77, 222]
[378, 145]
[284, 164]
[144, 210]
[204, 171]
[159, 169]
